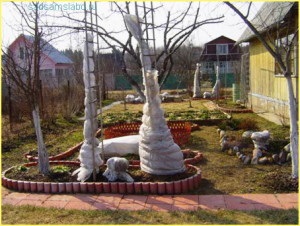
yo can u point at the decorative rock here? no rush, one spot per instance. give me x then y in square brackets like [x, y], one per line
[287, 147]
[254, 161]
[256, 153]
[224, 143]
[230, 152]
[206, 95]
[116, 169]
[289, 157]
[221, 133]
[243, 158]
[275, 157]
[270, 159]
[235, 149]
[263, 160]
[282, 156]
[260, 139]
[247, 134]
[247, 160]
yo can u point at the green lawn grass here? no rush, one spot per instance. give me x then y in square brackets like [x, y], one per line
[28, 215]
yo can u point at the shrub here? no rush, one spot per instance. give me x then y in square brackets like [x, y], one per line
[60, 169]
[280, 182]
[248, 124]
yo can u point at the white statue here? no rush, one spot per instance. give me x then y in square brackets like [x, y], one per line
[159, 154]
[261, 139]
[196, 81]
[89, 155]
[117, 169]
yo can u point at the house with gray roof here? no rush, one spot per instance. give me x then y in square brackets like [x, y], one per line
[56, 69]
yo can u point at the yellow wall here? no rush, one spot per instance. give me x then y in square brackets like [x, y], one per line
[268, 92]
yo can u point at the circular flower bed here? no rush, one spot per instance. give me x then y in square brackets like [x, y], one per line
[163, 187]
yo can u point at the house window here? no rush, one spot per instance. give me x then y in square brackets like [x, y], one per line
[45, 73]
[46, 76]
[21, 52]
[222, 49]
[208, 67]
[59, 72]
[282, 45]
[67, 73]
[223, 67]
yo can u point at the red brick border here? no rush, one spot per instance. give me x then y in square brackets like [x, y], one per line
[174, 187]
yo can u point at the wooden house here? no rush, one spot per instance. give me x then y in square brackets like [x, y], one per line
[276, 21]
[222, 52]
[55, 67]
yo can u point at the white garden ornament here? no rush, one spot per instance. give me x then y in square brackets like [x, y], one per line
[89, 155]
[159, 154]
[117, 170]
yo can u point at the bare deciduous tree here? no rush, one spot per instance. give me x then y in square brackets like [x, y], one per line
[24, 74]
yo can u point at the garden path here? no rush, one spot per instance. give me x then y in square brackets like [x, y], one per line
[152, 202]
[105, 108]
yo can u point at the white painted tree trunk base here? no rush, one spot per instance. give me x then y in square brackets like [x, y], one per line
[43, 159]
[159, 154]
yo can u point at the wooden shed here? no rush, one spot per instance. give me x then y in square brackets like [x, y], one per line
[277, 21]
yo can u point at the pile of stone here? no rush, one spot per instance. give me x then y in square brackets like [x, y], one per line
[260, 153]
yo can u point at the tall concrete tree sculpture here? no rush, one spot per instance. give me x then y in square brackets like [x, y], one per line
[89, 155]
[196, 81]
[216, 89]
[159, 154]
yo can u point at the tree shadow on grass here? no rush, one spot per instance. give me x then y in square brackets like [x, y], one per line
[207, 187]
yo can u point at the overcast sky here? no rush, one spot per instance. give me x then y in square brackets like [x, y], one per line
[232, 27]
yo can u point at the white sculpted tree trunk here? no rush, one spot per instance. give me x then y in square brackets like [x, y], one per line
[89, 155]
[216, 89]
[293, 128]
[159, 154]
[43, 160]
[196, 82]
